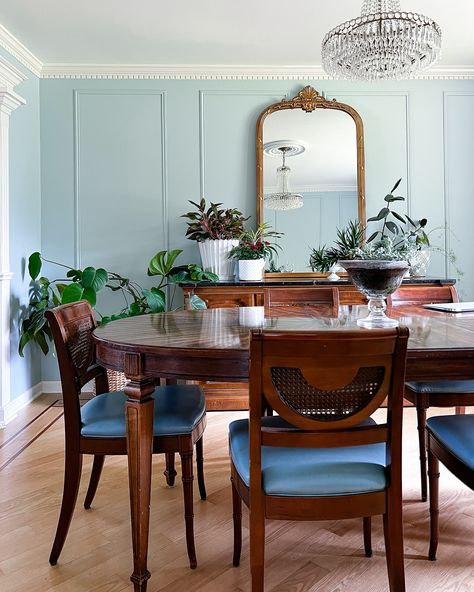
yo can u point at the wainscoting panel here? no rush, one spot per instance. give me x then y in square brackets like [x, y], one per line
[120, 193]
[459, 151]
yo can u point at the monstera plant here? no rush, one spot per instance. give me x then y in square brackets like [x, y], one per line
[85, 284]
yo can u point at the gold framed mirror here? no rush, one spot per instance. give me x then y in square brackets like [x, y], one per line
[321, 143]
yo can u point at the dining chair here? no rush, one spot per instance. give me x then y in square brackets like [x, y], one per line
[440, 393]
[302, 301]
[322, 457]
[450, 439]
[98, 427]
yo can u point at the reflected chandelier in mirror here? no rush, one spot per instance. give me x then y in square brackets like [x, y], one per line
[321, 142]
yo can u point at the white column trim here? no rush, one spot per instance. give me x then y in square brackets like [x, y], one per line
[9, 101]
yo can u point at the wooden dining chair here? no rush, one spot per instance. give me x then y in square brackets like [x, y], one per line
[440, 393]
[450, 439]
[302, 301]
[98, 427]
[322, 457]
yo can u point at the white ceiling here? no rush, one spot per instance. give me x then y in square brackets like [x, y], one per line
[199, 32]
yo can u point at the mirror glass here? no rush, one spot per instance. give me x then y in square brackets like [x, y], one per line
[319, 183]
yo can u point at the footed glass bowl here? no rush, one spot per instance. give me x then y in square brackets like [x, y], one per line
[377, 280]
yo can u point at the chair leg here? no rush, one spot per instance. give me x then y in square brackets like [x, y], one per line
[393, 535]
[237, 519]
[421, 418]
[460, 410]
[200, 468]
[187, 478]
[257, 549]
[72, 478]
[433, 474]
[368, 536]
[170, 472]
[94, 480]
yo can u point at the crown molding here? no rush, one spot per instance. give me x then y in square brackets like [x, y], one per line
[214, 72]
[16, 48]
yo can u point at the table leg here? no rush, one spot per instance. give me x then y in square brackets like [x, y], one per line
[139, 417]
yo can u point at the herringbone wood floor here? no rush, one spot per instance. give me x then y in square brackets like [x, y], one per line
[300, 557]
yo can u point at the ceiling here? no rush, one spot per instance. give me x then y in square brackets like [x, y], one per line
[207, 32]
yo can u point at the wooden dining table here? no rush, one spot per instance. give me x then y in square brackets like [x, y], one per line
[214, 345]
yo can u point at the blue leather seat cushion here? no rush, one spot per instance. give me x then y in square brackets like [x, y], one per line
[456, 432]
[310, 472]
[178, 409]
[442, 387]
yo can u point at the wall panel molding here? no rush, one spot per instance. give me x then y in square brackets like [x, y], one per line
[77, 144]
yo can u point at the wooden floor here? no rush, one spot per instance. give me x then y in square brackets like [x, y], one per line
[300, 557]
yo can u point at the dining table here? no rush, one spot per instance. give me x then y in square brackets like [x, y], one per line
[213, 344]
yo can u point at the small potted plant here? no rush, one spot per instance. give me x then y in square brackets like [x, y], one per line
[252, 250]
[217, 231]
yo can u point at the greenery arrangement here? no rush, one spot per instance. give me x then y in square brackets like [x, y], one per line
[213, 222]
[397, 240]
[253, 244]
[85, 284]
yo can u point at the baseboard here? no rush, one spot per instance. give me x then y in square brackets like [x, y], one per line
[11, 409]
[51, 386]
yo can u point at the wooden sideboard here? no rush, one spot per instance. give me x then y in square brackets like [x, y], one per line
[232, 396]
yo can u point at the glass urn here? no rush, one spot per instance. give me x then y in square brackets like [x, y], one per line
[376, 280]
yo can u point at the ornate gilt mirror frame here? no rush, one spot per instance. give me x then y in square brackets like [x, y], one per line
[309, 99]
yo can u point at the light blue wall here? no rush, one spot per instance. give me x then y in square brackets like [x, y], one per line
[120, 159]
[25, 217]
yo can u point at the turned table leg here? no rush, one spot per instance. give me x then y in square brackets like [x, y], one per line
[139, 417]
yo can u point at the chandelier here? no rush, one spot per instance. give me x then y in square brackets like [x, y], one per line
[383, 43]
[283, 199]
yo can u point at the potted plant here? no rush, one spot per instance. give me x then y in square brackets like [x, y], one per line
[217, 232]
[251, 251]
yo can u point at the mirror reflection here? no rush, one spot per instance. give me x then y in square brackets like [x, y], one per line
[309, 180]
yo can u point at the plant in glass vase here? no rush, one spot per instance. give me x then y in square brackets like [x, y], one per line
[252, 250]
[217, 231]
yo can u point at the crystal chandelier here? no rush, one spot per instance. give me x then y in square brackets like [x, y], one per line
[283, 199]
[383, 43]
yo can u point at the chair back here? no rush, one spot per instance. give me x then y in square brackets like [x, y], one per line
[302, 301]
[72, 326]
[325, 383]
[418, 295]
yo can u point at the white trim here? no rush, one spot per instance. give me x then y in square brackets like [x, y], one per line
[16, 48]
[51, 386]
[224, 72]
[12, 408]
[9, 75]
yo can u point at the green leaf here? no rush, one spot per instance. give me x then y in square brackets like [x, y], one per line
[380, 216]
[411, 221]
[24, 340]
[372, 237]
[392, 227]
[396, 185]
[197, 303]
[90, 295]
[34, 265]
[105, 320]
[399, 217]
[392, 198]
[155, 299]
[71, 293]
[94, 278]
[162, 263]
[134, 309]
[74, 274]
[41, 341]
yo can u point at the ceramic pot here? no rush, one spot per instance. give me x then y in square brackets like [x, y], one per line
[376, 280]
[215, 257]
[251, 270]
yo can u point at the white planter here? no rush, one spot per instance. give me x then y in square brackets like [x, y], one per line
[215, 257]
[251, 270]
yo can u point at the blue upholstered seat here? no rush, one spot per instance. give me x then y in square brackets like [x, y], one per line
[310, 471]
[442, 387]
[456, 432]
[178, 409]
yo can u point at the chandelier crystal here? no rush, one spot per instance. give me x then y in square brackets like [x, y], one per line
[283, 199]
[384, 43]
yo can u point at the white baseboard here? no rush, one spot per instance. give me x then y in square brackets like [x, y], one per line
[11, 409]
[51, 386]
